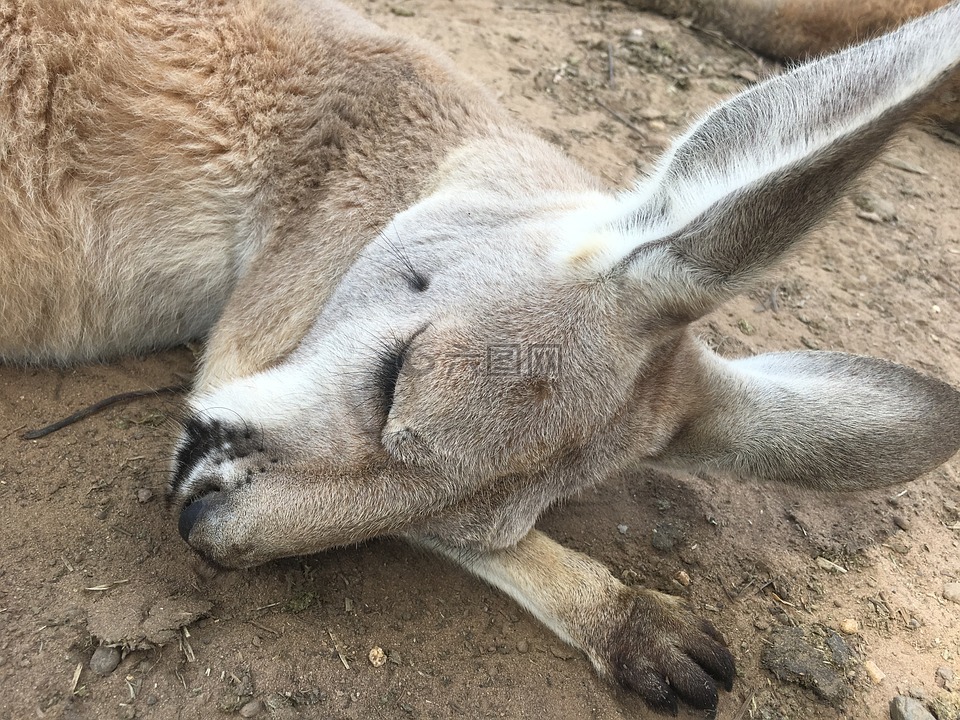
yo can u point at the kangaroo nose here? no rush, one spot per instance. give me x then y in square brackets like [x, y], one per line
[188, 517]
[192, 512]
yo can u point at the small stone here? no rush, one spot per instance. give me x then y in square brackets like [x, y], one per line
[144, 495]
[127, 712]
[377, 657]
[402, 11]
[849, 626]
[523, 647]
[251, 709]
[105, 660]
[901, 522]
[875, 674]
[622, 529]
[562, 652]
[951, 592]
[907, 708]
[944, 676]
[682, 577]
[901, 548]
[151, 700]
[875, 205]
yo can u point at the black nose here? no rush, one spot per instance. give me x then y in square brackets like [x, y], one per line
[189, 516]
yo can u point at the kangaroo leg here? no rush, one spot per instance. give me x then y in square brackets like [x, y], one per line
[647, 642]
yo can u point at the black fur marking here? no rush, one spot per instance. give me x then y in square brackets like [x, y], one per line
[201, 438]
[205, 437]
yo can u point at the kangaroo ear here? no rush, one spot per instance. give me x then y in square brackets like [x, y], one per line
[758, 172]
[823, 419]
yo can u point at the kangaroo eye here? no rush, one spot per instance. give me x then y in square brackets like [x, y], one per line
[388, 372]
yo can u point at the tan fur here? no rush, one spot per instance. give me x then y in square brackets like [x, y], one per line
[223, 178]
[364, 238]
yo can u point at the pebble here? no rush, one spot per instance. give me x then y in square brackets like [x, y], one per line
[622, 529]
[901, 548]
[682, 577]
[944, 677]
[251, 709]
[951, 592]
[144, 495]
[901, 522]
[128, 712]
[849, 626]
[874, 204]
[875, 674]
[105, 660]
[907, 708]
[523, 647]
[377, 657]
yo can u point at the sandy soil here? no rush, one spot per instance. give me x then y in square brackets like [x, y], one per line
[89, 554]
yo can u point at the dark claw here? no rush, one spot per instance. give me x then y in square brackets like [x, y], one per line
[693, 685]
[716, 660]
[654, 690]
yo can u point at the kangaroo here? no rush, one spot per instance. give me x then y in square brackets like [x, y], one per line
[423, 321]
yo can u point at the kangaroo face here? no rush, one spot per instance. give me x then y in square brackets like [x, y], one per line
[458, 349]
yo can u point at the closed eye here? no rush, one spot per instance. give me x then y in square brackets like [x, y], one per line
[388, 372]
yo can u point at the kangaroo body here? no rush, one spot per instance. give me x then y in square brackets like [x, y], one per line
[423, 321]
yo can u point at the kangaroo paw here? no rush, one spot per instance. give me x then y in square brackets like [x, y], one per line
[665, 654]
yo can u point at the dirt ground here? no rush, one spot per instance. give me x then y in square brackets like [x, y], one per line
[90, 555]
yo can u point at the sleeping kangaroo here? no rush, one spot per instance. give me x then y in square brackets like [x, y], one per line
[423, 321]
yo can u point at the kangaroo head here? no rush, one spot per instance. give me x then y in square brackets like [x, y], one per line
[518, 334]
